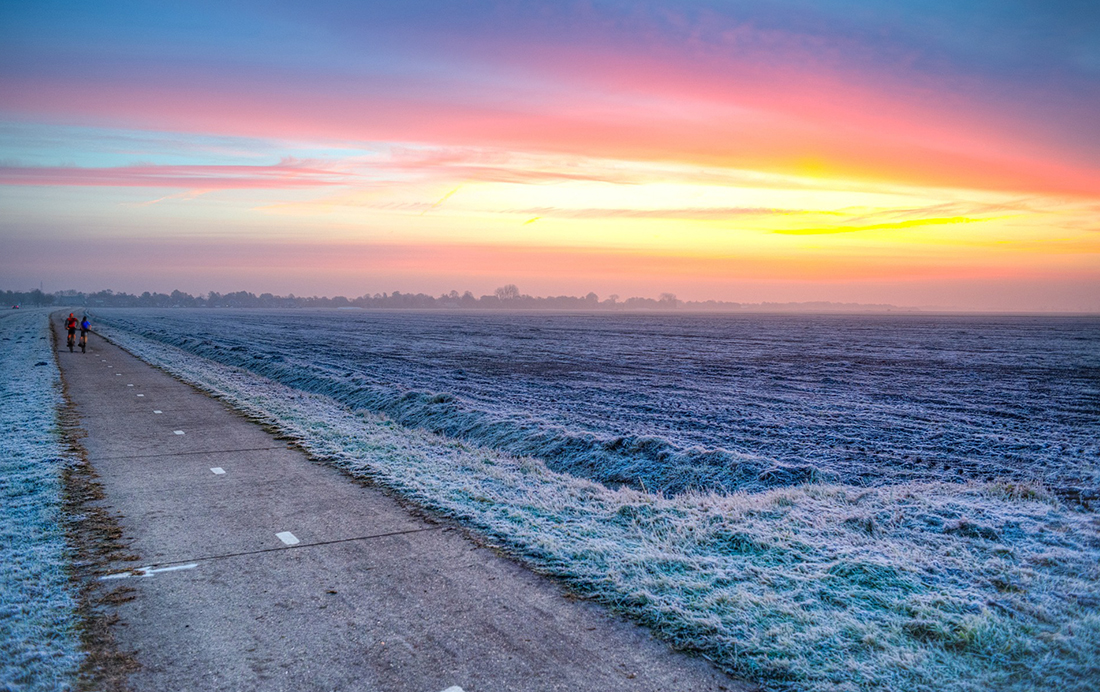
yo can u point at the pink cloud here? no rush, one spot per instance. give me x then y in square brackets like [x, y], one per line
[708, 111]
[286, 174]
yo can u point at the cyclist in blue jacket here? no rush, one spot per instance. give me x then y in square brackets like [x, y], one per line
[85, 327]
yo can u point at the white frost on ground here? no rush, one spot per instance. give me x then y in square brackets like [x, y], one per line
[669, 403]
[818, 587]
[39, 643]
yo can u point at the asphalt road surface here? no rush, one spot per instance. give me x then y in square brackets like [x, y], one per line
[266, 571]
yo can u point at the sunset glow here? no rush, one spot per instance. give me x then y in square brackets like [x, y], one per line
[765, 151]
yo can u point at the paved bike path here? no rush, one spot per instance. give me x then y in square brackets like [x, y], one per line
[369, 597]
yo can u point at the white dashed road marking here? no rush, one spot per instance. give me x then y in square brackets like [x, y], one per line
[129, 385]
[456, 688]
[141, 395]
[178, 432]
[218, 470]
[288, 538]
[147, 571]
[155, 411]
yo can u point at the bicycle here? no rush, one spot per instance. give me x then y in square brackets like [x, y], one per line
[70, 326]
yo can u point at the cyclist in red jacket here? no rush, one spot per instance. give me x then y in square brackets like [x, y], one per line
[70, 326]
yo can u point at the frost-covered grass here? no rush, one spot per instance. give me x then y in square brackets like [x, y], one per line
[671, 403]
[39, 642]
[818, 587]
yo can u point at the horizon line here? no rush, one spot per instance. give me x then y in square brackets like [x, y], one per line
[667, 302]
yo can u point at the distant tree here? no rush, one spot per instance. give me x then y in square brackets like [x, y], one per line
[183, 300]
[507, 292]
[668, 300]
[639, 303]
[37, 297]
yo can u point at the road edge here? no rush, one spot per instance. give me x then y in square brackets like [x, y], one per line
[95, 540]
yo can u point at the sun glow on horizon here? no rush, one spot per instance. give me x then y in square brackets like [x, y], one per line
[684, 162]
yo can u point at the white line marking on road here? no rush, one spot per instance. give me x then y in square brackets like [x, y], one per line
[141, 395]
[156, 411]
[129, 385]
[147, 571]
[178, 432]
[287, 537]
[218, 470]
[455, 688]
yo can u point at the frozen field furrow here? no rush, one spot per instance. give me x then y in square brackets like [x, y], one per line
[704, 402]
[819, 587]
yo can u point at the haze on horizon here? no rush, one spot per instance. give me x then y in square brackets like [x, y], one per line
[915, 153]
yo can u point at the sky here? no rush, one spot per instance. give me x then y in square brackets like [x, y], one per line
[929, 154]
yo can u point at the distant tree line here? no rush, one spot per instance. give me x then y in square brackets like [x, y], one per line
[504, 298]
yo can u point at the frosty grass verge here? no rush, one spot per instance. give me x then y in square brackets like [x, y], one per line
[39, 642]
[817, 587]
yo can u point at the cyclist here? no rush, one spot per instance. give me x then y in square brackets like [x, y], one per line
[70, 326]
[85, 327]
